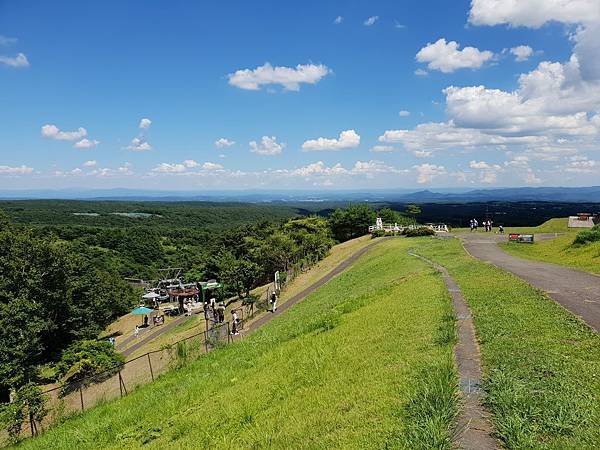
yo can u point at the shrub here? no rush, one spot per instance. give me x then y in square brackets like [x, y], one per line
[421, 231]
[587, 236]
[88, 358]
[377, 233]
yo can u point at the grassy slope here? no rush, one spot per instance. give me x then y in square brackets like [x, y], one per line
[541, 364]
[364, 362]
[560, 251]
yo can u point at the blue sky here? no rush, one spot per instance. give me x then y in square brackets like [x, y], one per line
[312, 94]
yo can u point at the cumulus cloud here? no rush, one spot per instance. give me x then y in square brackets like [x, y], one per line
[86, 144]
[533, 13]
[211, 166]
[267, 146]
[17, 170]
[145, 124]
[290, 78]
[90, 163]
[19, 61]
[371, 21]
[421, 73]
[446, 56]
[522, 52]
[338, 20]
[427, 172]
[404, 113]
[53, 132]
[347, 139]
[139, 144]
[223, 143]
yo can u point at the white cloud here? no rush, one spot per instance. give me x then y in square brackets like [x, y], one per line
[170, 168]
[223, 142]
[531, 178]
[533, 13]
[90, 163]
[289, 77]
[18, 61]
[421, 73]
[211, 166]
[422, 153]
[370, 21]
[18, 170]
[522, 52]
[338, 20]
[404, 113]
[145, 124]
[86, 143]
[268, 146]
[382, 149]
[446, 57]
[53, 132]
[347, 139]
[482, 165]
[427, 172]
[6, 41]
[139, 144]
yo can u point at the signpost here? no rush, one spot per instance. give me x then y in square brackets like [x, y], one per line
[521, 238]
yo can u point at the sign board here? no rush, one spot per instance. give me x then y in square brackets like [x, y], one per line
[522, 238]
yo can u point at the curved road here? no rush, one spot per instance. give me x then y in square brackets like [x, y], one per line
[578, 292]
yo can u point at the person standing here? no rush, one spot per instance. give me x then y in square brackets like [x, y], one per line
[136, 332]
[234, 323]
[273, 302]
[221, 312]
[471, 225]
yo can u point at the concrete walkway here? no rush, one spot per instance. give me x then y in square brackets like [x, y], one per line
[474, 430]
[577, 291]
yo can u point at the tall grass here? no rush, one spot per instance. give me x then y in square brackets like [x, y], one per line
[541, 364]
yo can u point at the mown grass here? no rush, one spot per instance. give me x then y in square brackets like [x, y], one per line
[364, 362]
[560, 250]
[541, 364]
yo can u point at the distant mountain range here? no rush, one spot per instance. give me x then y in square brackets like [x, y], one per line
[550, 194]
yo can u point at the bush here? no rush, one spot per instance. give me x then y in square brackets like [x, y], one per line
[377, 233]
[421, 231]
[88, 358]
[587, 236]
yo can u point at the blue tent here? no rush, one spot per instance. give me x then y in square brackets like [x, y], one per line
[141, 310]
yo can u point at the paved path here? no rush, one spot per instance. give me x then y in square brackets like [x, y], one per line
[313, 287]
[577, 291]
[474, 430]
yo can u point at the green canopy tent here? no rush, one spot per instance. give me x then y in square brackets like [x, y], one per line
[211, 285]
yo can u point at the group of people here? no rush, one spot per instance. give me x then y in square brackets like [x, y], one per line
[487, 224]
[217, 310]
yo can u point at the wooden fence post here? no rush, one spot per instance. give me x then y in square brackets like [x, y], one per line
[81, 397]
[150, 364]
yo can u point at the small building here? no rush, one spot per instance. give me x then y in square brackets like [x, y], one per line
[583, 220]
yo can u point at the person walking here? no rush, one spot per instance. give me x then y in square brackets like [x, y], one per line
[136, 332]
[273, 302]
[234, 323]
[471, 224]
[221, 312]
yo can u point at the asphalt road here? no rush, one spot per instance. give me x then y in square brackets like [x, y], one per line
[577, 291]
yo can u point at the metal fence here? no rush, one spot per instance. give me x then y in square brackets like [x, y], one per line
[118, 381]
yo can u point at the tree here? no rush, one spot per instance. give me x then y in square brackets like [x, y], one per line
[50, 296]
[351, 223]
[413, 210]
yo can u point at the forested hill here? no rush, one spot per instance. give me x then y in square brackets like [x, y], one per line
[204, 215]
